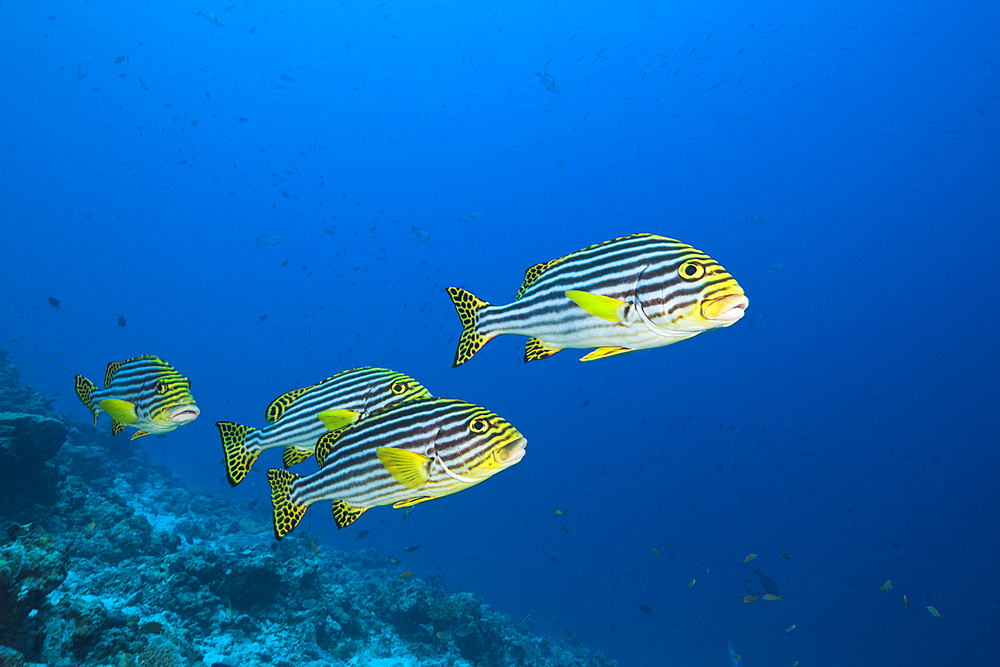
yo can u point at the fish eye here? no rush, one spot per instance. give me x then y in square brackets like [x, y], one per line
[479, 425]
[691, 270]
[398, 388]
[161, 387]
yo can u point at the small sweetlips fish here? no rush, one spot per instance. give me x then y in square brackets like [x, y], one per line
[749, 558]
[750, 598]
[298, 418]
[934, 612]
[627, 294]
[408, 453]
[146, 393]
[771, 597]
[887, 586]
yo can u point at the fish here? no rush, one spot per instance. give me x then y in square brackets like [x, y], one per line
[560, 512]
[407, 453]
[268, 239]
[790, 629]
[749, 558]
[767, 583]
[691, 583]
[392, 560]
[286, 77]
[471, 216]
[734, 658]
[362, 534]
[404, 575]
[121, 320]
[145, 393]
[298, 418]
[421, 234]
[549, 81]
[54, 302]
[749, 598]
[631, 293]
[771, 270]
[772, 597]
[785, 554]
[211, 18]
[411, 549]
[646, 609]
[906, 602]
[758, 219]
[887, 586]
[934, 612]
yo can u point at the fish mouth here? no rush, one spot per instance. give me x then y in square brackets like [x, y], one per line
[725, 310]
[512, 453]
[182, 414]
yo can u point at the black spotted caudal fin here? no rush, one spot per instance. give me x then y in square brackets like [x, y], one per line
[239, 459]
[84, 388]
[286, 513]
[468, 307]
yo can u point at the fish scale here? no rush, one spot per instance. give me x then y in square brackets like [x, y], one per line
[618, 296]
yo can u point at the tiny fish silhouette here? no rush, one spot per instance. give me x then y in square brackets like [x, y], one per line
[121, 320]
[54, 302]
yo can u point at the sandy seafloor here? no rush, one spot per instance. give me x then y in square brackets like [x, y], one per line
[107, 559]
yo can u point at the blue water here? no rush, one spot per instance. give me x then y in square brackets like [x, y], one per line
[848, 419]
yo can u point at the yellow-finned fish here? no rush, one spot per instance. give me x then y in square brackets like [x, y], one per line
[298, 418]
[934, 612]
[886, 586]
[146, 393]
[627, 294]
[749, 558]
[407, 453]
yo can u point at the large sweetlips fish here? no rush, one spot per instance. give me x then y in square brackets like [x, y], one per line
[407, 453]
[298, 418]
[145, 393]
[631, 293]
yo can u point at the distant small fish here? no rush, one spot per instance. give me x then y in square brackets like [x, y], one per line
[758, 219]
[253, 503]
[423, 235]
[404, 575]
[646, 609]
[90, 527]
[285, 77]
[548, 81]
[657, 552]
[284, 264]
[790, 629]
[691, 583]
[471, 217]
[392, 560]
[54, 302]
[251, 29]
[362, 534]
[906, 602]
[262, 318]
[934, 612]
[785, 554]
[749, 598]
[771, 270]
[749, 558]
[121, 320]
[887, 586]
[211, 18]
[560, 512]
[525, 620]
[268, 239]
[410, 550]
[241, 119]
[151, 628]
[772, 597]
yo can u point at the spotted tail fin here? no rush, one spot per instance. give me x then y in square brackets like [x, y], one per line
[468, 307]
[287, 514]
[239, 458]
[84, 388]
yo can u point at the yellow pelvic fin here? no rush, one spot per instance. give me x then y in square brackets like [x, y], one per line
[536, 349]
[325, 445]
[468, 307]
[292, 455]
[604, 307]
[119, 410]
[286, 513]
[410, 502]
[334, 419]
[602, 352]
[138, 434]
[239, 459]
[116, 427]
[84, 388]
[344, 513]
[410, 469]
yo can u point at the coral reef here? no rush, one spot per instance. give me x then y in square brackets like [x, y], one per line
[109, 561]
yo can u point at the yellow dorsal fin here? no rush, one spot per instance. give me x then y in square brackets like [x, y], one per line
[119, 410]
[604, 307]
[410, 469]
[280, 404]
[536, 349]
[109, 374]
[410, 502]
[534, 273]
[292, 455]
[334, 419]
[602, 352]
[325, 445]
[345, 513]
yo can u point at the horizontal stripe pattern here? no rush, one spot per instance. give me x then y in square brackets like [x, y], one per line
[640, 270]
[362, 390]
[152, 385]
[433, 426]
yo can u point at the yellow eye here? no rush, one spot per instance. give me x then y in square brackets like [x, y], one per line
[479, 425]
[398, 388]
[691, 270]
[161, 387]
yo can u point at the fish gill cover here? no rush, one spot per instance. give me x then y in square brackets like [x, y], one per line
[271, 194]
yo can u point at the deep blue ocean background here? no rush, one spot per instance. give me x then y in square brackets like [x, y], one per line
[849, 419]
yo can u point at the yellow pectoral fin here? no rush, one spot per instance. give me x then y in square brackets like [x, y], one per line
[334, 419]
[120, 411]
[410, 502]
[604, 307]
[410, 469]
[602, 352]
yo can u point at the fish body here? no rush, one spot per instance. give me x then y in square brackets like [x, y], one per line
[734, 658]
[748, 599]
[471, 216]
[54, 302]
[549, 82]
[146, 393]
[407, 453]
[887, 586]
[749, 558]
[298, 418]
[934, 612]
[632, 293]
[268, 239]
[210, 17]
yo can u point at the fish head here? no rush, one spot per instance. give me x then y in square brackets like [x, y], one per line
[713, 297]
[171, 401]
[487, 445]
[396, 387]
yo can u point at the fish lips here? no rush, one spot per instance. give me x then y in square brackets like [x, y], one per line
[725, 310]
[510, 454]
[182, 414]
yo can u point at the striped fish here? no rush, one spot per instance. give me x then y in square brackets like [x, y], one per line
[145, 393]
[406, 454]
[299, 417]
[623, 295]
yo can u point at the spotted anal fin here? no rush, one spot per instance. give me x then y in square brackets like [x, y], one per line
[536, 349]
[138, 434]
[612, 310]
[410, 469]
[602, 352]
[344, 513]
[287, 514]
[238, 457]
[292, 455]
[325, 445]
[468, 306]
[84, 390]
[410, 502]
[116, 427]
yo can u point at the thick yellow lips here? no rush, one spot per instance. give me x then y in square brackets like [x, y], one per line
[726, 309]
